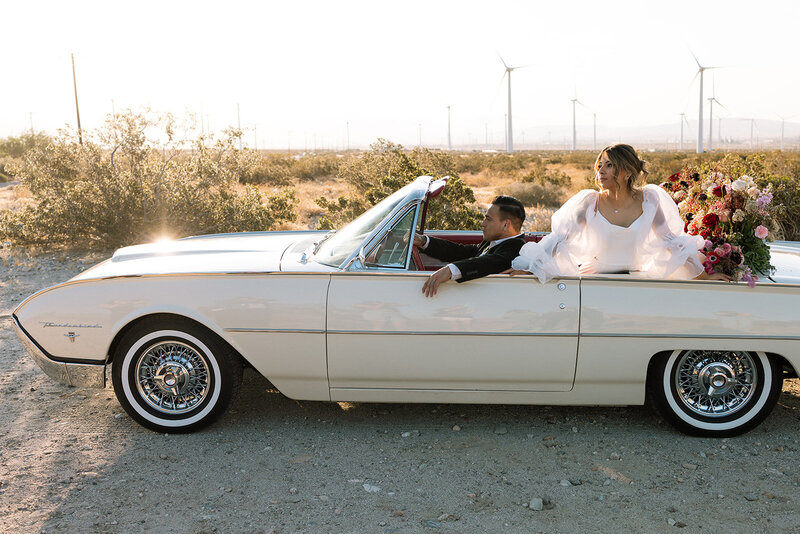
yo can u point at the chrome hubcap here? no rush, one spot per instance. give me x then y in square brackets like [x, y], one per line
[715, 383]
[172, 377]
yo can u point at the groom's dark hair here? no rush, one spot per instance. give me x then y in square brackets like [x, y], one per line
[511, 209]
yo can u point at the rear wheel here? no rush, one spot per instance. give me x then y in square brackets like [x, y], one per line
[174, 376]
[714, 393]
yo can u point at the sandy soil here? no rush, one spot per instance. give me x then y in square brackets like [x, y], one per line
[71, 462]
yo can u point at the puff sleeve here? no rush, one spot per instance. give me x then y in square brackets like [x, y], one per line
[558, 253]
[668, 251]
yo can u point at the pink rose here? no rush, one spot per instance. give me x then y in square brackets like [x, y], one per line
[761, 232]
[719, 251]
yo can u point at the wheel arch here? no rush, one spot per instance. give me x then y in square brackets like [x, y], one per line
[164, 316]
[788, 369]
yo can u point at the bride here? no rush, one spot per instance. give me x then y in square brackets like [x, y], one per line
[622, 228]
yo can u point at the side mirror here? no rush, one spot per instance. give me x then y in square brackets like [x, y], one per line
[358, 263]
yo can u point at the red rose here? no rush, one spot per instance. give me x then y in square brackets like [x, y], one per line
[710, 220]
[705, 233]
[675, 177]
[717, 191]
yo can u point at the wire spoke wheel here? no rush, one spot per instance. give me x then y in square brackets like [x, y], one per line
[715, 383]
[172, 377]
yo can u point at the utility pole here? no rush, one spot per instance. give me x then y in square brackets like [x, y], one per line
[348, 135]
[30, 114]
[485, 135]
[255, 137]
[77, 111]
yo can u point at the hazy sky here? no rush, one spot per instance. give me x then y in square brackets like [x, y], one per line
[301, 70]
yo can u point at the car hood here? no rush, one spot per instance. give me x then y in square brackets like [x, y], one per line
[223, 253]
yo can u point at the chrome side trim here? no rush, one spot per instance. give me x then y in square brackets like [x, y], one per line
[276, 330]
[697, 336]
[70, 374]
[407, 333]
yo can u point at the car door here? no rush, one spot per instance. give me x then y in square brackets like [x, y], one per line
[498, 333]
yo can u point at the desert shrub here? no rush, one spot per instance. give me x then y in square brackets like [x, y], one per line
[16, 147]
[582, 159]
[313, 166]
[13, 148]
[540, 174]
[6, 164]
[505, 163]
[133, 181]
[545, 194]
[471, 163]
[270, 170]
[385, 168]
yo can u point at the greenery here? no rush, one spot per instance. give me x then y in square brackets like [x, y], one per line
[385, 168]
[135, 180]
[12, 149]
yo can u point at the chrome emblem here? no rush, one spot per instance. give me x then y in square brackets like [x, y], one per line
[71, 336]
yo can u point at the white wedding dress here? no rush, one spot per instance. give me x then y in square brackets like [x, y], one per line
[582, 241]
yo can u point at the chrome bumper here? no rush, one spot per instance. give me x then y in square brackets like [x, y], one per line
[88, 375]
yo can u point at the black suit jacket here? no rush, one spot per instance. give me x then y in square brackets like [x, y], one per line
[469, 258]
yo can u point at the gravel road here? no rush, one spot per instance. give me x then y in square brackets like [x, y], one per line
[71, 461]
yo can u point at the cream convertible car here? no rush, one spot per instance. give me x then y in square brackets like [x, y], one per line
[341, 317]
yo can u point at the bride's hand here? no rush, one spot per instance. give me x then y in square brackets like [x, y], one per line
[514, 272]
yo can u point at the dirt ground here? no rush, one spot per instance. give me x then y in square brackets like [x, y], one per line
[70, 461]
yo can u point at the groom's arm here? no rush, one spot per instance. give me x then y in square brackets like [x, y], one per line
[497, 261]
[445, 250]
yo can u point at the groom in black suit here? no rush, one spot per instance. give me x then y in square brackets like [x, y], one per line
[502, 239]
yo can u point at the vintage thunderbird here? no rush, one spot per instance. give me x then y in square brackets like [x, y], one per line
[341, 317]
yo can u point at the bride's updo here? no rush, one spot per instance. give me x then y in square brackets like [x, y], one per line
[624, 158]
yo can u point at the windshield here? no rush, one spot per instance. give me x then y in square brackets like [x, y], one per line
[335, 250]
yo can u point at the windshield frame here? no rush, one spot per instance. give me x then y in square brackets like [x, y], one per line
[399, 200]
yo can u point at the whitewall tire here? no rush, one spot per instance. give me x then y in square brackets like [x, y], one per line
[173, 375]
[714, 393]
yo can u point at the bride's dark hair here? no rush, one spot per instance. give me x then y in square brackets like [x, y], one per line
[624, 158]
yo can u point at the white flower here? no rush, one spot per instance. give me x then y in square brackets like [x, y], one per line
[739, 185]
[738, 216]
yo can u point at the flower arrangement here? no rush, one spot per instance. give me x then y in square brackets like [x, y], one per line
[734, 216]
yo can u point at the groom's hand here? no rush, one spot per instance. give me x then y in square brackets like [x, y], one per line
[431, 285]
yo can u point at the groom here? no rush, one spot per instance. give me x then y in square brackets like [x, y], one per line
[502, 239]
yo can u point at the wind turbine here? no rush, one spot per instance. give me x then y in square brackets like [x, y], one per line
[700, 70]
[711, 114]
[683, 120]
[509, 130]
[574, 129]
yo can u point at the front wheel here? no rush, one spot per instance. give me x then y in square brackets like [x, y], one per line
[174, 376]
[714, 393]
